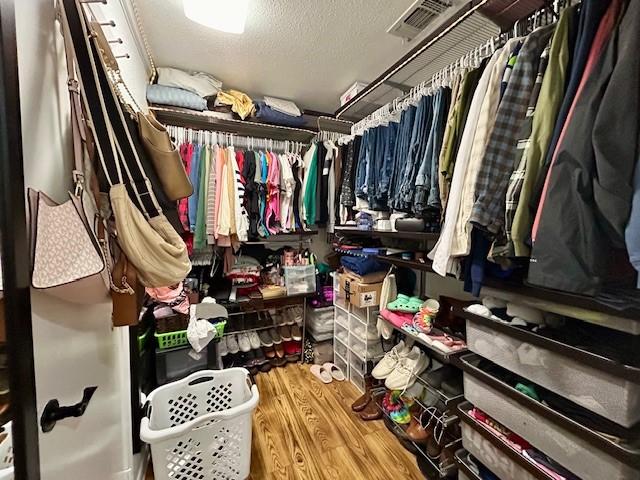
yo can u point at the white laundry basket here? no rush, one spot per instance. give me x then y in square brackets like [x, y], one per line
[199, 428]
[6, 454]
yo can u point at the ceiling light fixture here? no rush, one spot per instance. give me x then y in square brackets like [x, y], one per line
[226, 15]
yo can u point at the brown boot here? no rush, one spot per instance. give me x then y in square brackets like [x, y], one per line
[417, 433]
[362, 402]
[371, 412]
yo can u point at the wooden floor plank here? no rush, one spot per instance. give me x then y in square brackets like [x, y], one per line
[305, 430]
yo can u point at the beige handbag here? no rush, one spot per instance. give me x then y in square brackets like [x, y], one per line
[153, 135]
[165, 157]
[69, 251]
[144, 234]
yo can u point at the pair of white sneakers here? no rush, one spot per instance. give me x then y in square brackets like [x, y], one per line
[400, 366]
[242, 342]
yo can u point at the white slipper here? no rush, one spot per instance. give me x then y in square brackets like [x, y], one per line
[321, 373]
[335, 371]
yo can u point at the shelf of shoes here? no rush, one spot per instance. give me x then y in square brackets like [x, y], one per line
[447, 442]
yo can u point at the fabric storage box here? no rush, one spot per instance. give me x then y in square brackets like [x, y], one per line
[176, 363]
[586, 453]
[360, 294]
[492, 453]
[299, 280]
[351, 92]
[601, 385]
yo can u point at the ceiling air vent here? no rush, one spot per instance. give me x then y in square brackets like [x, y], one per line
[417, 18]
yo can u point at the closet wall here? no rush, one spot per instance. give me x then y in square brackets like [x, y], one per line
[74, 345]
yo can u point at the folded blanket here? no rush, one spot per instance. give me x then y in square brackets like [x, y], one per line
[265, 113]
[361, 265]
[200, 83]
[175, 97]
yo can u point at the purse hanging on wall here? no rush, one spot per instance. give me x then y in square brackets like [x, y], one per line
[152, 134]
[143, 233]
[69, 248]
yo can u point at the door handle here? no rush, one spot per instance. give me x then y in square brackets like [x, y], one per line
[53, 412]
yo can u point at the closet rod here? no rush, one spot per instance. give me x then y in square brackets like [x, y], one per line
[445, 75]
[212, 137]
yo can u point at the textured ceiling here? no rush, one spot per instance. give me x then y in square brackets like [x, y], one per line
[309, 51]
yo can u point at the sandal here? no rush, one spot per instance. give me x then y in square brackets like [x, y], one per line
[334, 371]
[405, 304]
[321, 373]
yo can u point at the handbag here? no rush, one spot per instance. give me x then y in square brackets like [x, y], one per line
[165, 157]
[144, 234]
[153, 135]
[69, 252]
[126, 293]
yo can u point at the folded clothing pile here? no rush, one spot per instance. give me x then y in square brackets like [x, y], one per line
[245, 274]
[178, 88]
[279, 112]
[362, 265]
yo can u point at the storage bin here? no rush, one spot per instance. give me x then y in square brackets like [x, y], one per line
[341, 349]
[365, 332]
[6, 454]
[323, 353]
[176, 363]
[586, 453]
[340, 300]
[299, 280]
[366, 315]
[320, 320]
[172, 323]
[601, 385]
[357, 379]
[363, 367]
[342, 364]
[495, 458]
[320, 337]
[200, 427]
[341, 317]
[341, 333]
[465, 470]
[365, 350]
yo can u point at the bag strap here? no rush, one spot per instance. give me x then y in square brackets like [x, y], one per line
[104, 112]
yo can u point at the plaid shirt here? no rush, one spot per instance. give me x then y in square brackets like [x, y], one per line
[499, 162]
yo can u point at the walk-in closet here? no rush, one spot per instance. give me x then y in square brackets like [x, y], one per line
[319, 240]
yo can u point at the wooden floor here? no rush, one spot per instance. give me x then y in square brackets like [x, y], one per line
[305, 430]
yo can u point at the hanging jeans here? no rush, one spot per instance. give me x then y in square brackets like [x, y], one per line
[361, 168]
[384, 164]
[405, 130]
[404, 195]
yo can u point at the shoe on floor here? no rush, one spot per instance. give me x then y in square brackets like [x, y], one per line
[250, 359]
[254, 340]
[269, 352]
[260, 357]
[275, 336]
[265, 338]
[244, 343]
[389, 362]
[279, 348]
[232, 344]
[321, 373]
[371, 412]
[278, 362]
[222, 347]
[265, 367]
[285, 333]
[296, 332]
[409, 367]
[361, 403]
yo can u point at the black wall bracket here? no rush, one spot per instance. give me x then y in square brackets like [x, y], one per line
[53, 412]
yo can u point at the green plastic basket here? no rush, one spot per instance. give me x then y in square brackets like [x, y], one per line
[142, 340]
[178, 339]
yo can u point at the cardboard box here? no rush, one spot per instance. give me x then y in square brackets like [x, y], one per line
[360, 294]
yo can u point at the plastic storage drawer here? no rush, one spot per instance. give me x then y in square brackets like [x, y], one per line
[603, 386]
[299, 280]
[342, 365]
[365, 315]
[585, 453]
[341, 333]
[365, 332]
[492, 457]
[341, 317]
[320, 320]
[176, 363]
[341, 350]
[365, 350]
[357, 379]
